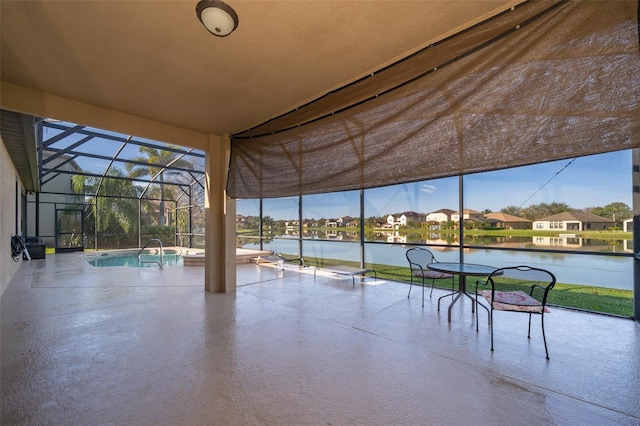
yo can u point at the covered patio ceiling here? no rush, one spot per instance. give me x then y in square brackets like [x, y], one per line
[154, 60]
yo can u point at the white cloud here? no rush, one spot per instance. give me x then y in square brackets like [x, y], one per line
[429, 189]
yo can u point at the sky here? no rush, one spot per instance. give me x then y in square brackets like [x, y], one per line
[592, 181]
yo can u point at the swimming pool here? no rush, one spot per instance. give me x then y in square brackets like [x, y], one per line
[130, 259]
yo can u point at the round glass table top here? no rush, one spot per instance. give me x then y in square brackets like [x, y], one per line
[462, 268]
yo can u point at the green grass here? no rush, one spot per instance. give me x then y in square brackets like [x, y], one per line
[596, 299]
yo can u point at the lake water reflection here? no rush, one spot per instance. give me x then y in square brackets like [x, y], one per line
[570, 268]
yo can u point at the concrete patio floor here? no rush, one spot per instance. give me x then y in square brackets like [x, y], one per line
[143, 346]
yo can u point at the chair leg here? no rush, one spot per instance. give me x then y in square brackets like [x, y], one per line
[410, 285]
[452, 287]
[453, 283]
[489, 316]
[544, 339]
[423, 292]
[491, 327]
[477, 312]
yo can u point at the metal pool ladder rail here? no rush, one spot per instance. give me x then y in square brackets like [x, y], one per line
[151, 261]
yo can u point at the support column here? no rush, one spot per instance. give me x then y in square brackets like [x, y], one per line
[220, 213]
[636, 232]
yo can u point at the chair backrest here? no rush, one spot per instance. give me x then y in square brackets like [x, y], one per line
[420, 257]
[523, 278]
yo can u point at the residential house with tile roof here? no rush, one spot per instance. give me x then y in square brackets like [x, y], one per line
[573, 221]
[507, 221]
[333, 223]
[467, 215]
[412, 216]
[442, 215]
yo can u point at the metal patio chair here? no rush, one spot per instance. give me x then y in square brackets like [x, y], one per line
[504, 296]
[419, 258]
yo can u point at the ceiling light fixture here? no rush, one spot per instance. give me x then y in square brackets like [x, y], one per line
[217, 17]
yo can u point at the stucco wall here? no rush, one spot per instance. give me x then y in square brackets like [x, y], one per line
[8, 178]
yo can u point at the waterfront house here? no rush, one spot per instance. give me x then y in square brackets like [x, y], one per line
[574, 221]
[468, 215]
[353, 223]
[411, 217]
[395, 223]
[333, 223]
[292, 224]
[439, 216]
[507, 221]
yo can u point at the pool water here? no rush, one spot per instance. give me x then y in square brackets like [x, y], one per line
[131, 260]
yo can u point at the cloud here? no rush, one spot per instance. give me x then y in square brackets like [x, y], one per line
[429, 189]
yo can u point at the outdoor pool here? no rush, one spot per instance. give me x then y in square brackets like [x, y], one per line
[130, 259]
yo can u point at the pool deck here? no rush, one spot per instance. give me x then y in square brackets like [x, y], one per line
[144, 346]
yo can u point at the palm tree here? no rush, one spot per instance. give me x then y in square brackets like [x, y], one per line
[154, 158]
[116, 219]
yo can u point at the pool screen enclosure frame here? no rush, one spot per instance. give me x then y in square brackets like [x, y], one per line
[154, 189]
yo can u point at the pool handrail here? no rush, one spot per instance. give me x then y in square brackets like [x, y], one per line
[151, 261]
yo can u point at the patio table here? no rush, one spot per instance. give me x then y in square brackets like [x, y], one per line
[463, 270]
